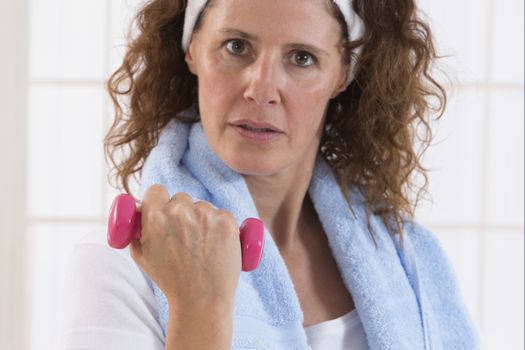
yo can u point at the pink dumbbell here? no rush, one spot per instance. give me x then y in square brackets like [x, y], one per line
[125, 224]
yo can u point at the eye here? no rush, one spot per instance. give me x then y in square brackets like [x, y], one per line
[303, 59]
[235, 46]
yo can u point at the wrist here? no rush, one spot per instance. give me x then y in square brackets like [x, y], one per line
[201, 306]
[202, 327]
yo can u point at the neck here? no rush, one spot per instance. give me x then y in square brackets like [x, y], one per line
[281, 202]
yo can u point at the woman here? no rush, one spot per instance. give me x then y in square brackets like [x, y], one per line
[302, 113]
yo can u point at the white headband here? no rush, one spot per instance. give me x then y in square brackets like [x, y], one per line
[354, 24]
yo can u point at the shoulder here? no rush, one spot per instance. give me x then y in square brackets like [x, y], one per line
[95, 242]
[421, 248]
[423, 240]
[92, 255]
[108, 299]
[94, 263]
[431, 256]
[433, 273]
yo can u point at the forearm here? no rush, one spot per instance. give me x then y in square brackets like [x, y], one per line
[210, 328]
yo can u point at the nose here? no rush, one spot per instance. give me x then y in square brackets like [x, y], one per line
[263, 82]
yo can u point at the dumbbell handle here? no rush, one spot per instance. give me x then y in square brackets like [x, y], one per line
[125, 224]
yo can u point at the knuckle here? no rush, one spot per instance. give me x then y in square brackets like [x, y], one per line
[180, 216]
[225, 215]
[154, 189]
[181, 197]
[175, 209]
[155, 219]
[202, 206]
[156, 216]
[225, 218]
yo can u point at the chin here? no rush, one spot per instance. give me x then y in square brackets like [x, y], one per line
[253, 167]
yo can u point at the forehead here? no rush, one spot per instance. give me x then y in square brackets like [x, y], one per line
[295, 20]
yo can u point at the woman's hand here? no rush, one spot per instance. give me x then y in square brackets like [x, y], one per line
[190, 250]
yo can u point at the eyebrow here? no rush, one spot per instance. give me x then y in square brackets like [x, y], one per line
[295, 46]
[240, 33]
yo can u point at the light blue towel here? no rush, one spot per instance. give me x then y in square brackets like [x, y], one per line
[406, 299]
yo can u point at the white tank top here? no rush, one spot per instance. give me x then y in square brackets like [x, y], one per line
[345, 332]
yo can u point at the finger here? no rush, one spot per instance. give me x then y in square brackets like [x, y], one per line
[155, 197]
[226, 215]
[228, 219]
[182, 198]
[203, 205]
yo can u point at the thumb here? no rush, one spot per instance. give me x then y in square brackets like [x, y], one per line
[135, 249]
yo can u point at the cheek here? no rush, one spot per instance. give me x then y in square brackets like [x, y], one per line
[217, 94]
[309, 109]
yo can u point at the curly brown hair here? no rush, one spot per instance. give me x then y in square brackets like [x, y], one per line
[371, 128]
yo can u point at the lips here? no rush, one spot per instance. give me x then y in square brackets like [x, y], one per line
[250, 128]
[254, 126]
[258, 132]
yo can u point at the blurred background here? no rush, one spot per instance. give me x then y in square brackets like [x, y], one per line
[56, 56]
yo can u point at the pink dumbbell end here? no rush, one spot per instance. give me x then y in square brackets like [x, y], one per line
[125, 224]
[252, 243]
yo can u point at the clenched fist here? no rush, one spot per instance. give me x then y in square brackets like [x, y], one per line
[191, 250]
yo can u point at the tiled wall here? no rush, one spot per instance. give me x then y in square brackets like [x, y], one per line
[477, 161]
[477, 181]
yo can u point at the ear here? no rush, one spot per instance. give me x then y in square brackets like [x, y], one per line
[189, 57]
[341, 85]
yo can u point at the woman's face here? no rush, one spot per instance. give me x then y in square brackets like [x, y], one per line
[266, 64]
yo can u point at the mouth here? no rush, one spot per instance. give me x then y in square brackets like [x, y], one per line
[257, 132]
[252, 129]
[254, 126]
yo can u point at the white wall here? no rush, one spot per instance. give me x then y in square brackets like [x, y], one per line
[57, 174]
[477, 181]
[13, 85]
